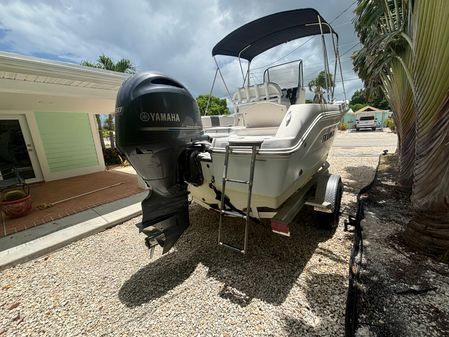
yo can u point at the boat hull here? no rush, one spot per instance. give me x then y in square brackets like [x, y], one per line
[279, 172]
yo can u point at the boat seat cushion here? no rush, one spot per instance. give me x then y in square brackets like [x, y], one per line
[267, 91]
[263, 114]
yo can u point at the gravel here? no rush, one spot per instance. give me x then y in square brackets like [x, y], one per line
[106, 285]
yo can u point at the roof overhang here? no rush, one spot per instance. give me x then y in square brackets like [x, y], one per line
[269, 31]
[28, 83]
[369, 108]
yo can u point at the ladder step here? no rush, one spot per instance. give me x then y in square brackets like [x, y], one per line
[254, 145]
[234, 214]
[245, 142]
[232, 247]
[238, 181]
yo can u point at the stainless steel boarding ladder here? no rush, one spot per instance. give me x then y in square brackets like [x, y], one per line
[241, 144]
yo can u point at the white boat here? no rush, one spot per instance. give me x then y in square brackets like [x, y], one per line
[265, 160]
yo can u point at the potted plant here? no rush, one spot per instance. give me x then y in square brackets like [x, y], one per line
[16, 203]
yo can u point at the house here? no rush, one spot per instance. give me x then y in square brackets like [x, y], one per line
[349, 118]
[47, 116]
[379, 115]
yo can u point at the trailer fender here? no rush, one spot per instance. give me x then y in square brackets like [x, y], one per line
[328, 193]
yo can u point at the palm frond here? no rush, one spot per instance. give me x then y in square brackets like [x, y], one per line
[125, 66]
[105, 62]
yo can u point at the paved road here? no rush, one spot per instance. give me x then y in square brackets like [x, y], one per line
[363, 143]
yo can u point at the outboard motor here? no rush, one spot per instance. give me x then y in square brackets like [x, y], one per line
[157, 122]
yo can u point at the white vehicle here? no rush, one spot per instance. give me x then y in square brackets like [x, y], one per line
[265, 161]
[366, 120]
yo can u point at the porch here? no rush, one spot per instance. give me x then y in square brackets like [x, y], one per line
[48, 205]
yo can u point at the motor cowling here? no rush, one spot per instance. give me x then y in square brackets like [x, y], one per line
[157, 122]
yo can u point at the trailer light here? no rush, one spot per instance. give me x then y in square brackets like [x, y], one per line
[280, 228]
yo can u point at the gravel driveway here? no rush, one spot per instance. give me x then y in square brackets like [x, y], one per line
[106, 285]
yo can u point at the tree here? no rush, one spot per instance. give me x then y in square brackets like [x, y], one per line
[109, 124]
[217, 106]
[319, 84]
[404, 53]
[105, 62]
[382, 63]
[358, 100]
[357, 106]
[358, 97]
[361, 99]
[379, 101]
[121, 66]
[98, 119]
[429, 227]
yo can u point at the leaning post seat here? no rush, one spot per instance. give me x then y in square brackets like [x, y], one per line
[267, 91]
[261, 105]
[263, 114]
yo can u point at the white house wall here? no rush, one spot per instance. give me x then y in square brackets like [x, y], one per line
[51, 148]
[39, 89]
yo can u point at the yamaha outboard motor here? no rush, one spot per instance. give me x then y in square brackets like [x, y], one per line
[157, 122]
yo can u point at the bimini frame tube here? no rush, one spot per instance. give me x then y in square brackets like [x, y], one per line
[337, 59]
[246, 76]
[211, 89]
[326, 60]
[341, 72]
[222, 78]
[224, 83]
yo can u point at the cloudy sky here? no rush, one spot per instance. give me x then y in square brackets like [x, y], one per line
[171, 36]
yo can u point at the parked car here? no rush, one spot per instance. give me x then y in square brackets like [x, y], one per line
[366, 120]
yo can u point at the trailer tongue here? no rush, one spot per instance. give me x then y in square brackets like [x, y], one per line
[157, 123]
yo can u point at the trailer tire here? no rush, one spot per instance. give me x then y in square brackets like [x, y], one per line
[330, 220]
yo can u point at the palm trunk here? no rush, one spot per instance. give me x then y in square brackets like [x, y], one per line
[402, 104]
[97, 117]
[112, 139]
[111, 129]
[429, 228]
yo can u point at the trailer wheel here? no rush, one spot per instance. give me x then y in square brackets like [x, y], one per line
[330, 220]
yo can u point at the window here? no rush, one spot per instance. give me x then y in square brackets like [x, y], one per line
[367, 118]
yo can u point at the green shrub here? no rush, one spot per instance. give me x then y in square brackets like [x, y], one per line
[104, 133]
[389, 122]
[112, 157]
[14, 195]
[343, 126]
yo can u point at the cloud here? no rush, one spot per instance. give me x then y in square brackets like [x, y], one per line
[173, 37]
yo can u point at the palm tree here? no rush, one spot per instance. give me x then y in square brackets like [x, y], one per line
[121, 66]
[98, 119]
[429, 228]
[383, 63]
[105, 62]
[405, 53]
[319, 84]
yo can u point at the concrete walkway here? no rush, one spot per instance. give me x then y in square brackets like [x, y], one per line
[29, 244]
